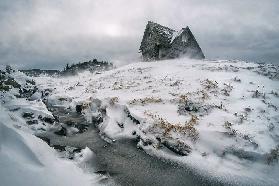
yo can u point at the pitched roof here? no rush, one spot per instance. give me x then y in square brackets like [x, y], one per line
[162, 30]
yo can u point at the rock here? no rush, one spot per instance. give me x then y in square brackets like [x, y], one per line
[32, 122]
[61, 132]
[188, 106]
[243, 154]
[14, 109]
[103, 111]
[97, 120]
[247, 109]
[35, 96]
[48, 120]
[81, 127]
[134, 120]
[77, 150]
[78, 108]
[59, 147]
[27, 92]
[121, 125]
[28, 115]
[146, 142]
[178, 147]
[40, 117]
[70, 123]
[47, 140]
[137, 139]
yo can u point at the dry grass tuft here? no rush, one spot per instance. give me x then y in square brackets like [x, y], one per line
[146, 100]
[187, 129]
[113, 100]
[209, 84]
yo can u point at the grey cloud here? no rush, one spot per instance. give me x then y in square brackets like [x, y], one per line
[48, 34]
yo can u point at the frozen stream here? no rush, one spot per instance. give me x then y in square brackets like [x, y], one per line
[125, 163]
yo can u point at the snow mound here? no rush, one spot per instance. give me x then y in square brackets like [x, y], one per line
[27, 160]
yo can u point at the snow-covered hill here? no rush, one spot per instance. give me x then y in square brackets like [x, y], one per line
[25, 159]
[219, 118]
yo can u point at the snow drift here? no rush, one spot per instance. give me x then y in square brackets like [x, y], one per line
[25, 159]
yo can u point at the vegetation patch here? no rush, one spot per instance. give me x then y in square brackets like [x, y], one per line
[187, 129]
[146, 100]
[113, 100]
[273, 155]
[209, 85]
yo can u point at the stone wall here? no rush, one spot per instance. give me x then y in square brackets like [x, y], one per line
[185, 44]
[158, 43]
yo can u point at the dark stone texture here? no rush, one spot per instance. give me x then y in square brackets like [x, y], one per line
[178, 148]
[61, 132]
[47, 140]
[160, 42]
[78, 108]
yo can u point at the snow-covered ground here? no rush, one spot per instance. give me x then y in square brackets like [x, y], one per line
[25, 159]
[218, 117]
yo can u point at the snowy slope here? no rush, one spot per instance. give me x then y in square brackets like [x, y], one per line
[25, 159]
[218, 117]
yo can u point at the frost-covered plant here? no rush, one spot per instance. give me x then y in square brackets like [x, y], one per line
[117, 86]
[273, 155]
[187, 129]
[146, 100]
[231, 131]
[196, 103]
[113, 100]
[204, 95]
[186, 105]
[176, 83]
[257, 94]
[237, 79]
[209, 84]
[227, 89]
[242, 116]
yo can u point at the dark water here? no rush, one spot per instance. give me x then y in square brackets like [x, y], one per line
[128, 165]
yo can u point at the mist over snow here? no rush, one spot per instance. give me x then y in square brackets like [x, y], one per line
[80, 105]
[48, 34]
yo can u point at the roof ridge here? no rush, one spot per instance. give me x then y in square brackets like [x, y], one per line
[162, 26]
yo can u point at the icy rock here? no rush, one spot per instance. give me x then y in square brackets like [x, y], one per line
[45, 139]
[61, 132]
[178, 147]
[78, 108]
[28, 115]
[59, 147]
[81, 127]
[188, 106]
[35, 96]
[32, 122]
[48, 120]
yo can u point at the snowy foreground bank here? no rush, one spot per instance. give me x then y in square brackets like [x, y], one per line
[26, 160]
[219, 118]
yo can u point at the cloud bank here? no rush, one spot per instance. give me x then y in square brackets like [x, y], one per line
[48, 34]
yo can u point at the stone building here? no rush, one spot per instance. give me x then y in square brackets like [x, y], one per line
[160, 42]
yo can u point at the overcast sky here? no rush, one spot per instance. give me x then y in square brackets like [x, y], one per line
[51, 33]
